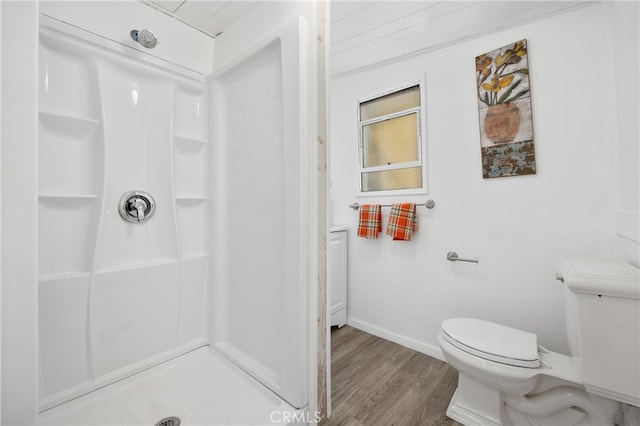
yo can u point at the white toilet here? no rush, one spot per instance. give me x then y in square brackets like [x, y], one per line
[505, 378]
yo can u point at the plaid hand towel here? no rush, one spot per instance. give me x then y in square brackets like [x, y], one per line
[370, 223]
[403, 221]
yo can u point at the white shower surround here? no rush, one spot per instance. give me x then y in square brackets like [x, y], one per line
[261, 254]
[115, 297]
[86, 257]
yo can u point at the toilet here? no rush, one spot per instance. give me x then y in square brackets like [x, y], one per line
[507, 378]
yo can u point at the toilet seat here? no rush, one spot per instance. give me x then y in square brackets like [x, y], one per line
[493, 342]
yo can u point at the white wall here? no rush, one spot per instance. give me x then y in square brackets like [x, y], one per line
[517, 226]
[626, 71]
[19, 202]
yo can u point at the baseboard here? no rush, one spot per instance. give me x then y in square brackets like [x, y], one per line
[416, 345]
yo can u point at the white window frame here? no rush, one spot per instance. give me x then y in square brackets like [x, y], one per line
[420, 162]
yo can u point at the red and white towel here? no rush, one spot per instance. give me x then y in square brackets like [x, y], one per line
[403, 221]
[370, 223]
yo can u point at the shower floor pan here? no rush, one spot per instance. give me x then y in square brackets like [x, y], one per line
[200, 388]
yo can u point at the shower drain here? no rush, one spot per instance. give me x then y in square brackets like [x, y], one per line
[169, 421]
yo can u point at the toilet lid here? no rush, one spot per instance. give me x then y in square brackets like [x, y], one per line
[493, 342]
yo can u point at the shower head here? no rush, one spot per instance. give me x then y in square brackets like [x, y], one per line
[145, 37]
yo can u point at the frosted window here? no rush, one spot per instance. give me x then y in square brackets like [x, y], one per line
[401, 100]
[392, 179]
[391, 143]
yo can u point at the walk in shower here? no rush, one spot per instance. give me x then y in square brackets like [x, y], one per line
[116, 296]
[172, 223]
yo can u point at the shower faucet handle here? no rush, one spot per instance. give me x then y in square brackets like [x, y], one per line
[139, 207]
[136, 206]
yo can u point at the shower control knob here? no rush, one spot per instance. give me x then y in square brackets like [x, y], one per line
[136, 206]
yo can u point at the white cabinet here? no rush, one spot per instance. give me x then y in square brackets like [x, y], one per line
[338, 276]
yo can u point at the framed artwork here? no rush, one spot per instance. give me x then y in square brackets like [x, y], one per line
[504, 106]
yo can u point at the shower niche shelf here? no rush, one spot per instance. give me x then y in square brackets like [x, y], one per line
[140, 265]
[190, 198]
[191, 201]
[69, 156]
[63, 276]
[185, 140]
[70, 197]
[68, 124]
[193, 256]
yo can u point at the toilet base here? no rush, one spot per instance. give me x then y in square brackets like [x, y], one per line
[476, 404]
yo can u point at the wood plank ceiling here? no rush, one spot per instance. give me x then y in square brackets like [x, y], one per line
[365, 33]
[211, 16]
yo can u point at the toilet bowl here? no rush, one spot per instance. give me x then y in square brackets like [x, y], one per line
[505, 378]
[499, 393]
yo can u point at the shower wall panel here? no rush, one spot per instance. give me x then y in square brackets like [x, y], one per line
[259, 221]
[116, 297]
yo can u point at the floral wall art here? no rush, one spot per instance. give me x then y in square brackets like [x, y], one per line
[504, 104]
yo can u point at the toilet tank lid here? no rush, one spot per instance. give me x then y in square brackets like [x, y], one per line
[494, 341]
[601, 276]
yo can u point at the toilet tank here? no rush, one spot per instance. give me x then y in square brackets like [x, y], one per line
[606, 309]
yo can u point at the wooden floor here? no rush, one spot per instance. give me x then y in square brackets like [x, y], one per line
[377, 382]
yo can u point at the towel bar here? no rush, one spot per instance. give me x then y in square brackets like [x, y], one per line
[453, 256]
[428, 204]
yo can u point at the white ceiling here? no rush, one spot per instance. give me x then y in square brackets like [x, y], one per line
[365, 32]
[211, 16]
